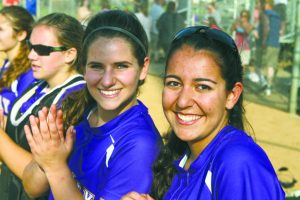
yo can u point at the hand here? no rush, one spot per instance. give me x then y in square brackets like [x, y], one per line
[136, 196]
[46, 139]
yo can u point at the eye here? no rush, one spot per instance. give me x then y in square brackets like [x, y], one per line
[121, 66]
[95, 66]
[203, 87]
[172, 84]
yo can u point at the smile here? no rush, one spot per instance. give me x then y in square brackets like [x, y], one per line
[188, 118]
[110, 93]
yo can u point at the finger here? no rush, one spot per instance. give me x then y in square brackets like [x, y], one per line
[44, 129]
[133, 196]
[148, 197]
[60, 123]
[53, 110]
[30, 138]
[45, 111]
[58, 116]
[37, 121]
[52, 126]
[70, 138]
[35, 130]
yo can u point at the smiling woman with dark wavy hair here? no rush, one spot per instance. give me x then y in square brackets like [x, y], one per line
[208, 154]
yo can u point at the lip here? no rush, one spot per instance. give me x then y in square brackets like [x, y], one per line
[110, 93]
[35, 67]
[187, 119]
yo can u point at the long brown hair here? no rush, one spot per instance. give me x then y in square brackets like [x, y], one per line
[20, 20]
[69, 33]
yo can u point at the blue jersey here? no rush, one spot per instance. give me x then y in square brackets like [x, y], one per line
[10, 94]
[111, 160]
[30, 103]
[232, 166]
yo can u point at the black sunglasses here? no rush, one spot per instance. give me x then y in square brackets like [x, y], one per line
[43, 50]
[214, 34]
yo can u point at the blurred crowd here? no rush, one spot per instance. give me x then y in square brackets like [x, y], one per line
[256, 32]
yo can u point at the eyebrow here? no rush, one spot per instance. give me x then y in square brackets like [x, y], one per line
[100, 63]
[123, 62]
[196, 79]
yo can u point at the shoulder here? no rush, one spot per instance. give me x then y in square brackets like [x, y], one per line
[242, 170]
[239, 157]
[141, 138]
[139, 132]
[239, 150]
[138, 122]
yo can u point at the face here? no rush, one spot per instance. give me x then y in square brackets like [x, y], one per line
[112, 74]
[8, 37]
[51, 68]
[210, 8]
[194, 96]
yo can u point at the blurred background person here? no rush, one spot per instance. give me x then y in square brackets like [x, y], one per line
[143, 15]
[10, 2]
[155, 12]
[84, 11]
[168, 24]
[15, 74]
[214, 12]
[280, 8]
[105, 5]
[211, 22]
[242, 29]
[260, 22]
[271, 45]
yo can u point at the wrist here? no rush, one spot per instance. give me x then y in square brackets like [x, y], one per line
[55, 170]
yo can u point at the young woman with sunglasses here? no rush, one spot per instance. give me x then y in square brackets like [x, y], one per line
[117, 142]
[55, 44]
[203, 102]
[15, 74]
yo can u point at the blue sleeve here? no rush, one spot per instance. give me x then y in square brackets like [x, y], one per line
[25, 80]
[131, 165]
[9, 95]
[243, 171]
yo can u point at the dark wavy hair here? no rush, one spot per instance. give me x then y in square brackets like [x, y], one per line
[20, 20]
[228, 58]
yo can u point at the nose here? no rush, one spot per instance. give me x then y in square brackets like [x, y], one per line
[185, 98]
[108, 78]
[32, 55]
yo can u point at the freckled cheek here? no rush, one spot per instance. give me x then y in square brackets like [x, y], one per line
[168, 98]
[210, 104]
[92, 77]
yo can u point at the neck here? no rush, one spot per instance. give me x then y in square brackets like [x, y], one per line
[198, 146]
[60, 78]
[102, 116]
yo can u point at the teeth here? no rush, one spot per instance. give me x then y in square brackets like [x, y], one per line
[188, 118]
[110, 92]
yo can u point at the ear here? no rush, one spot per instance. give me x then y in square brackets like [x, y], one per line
[21, 35]
[70, 55]
[234, 95]
[145, 68]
